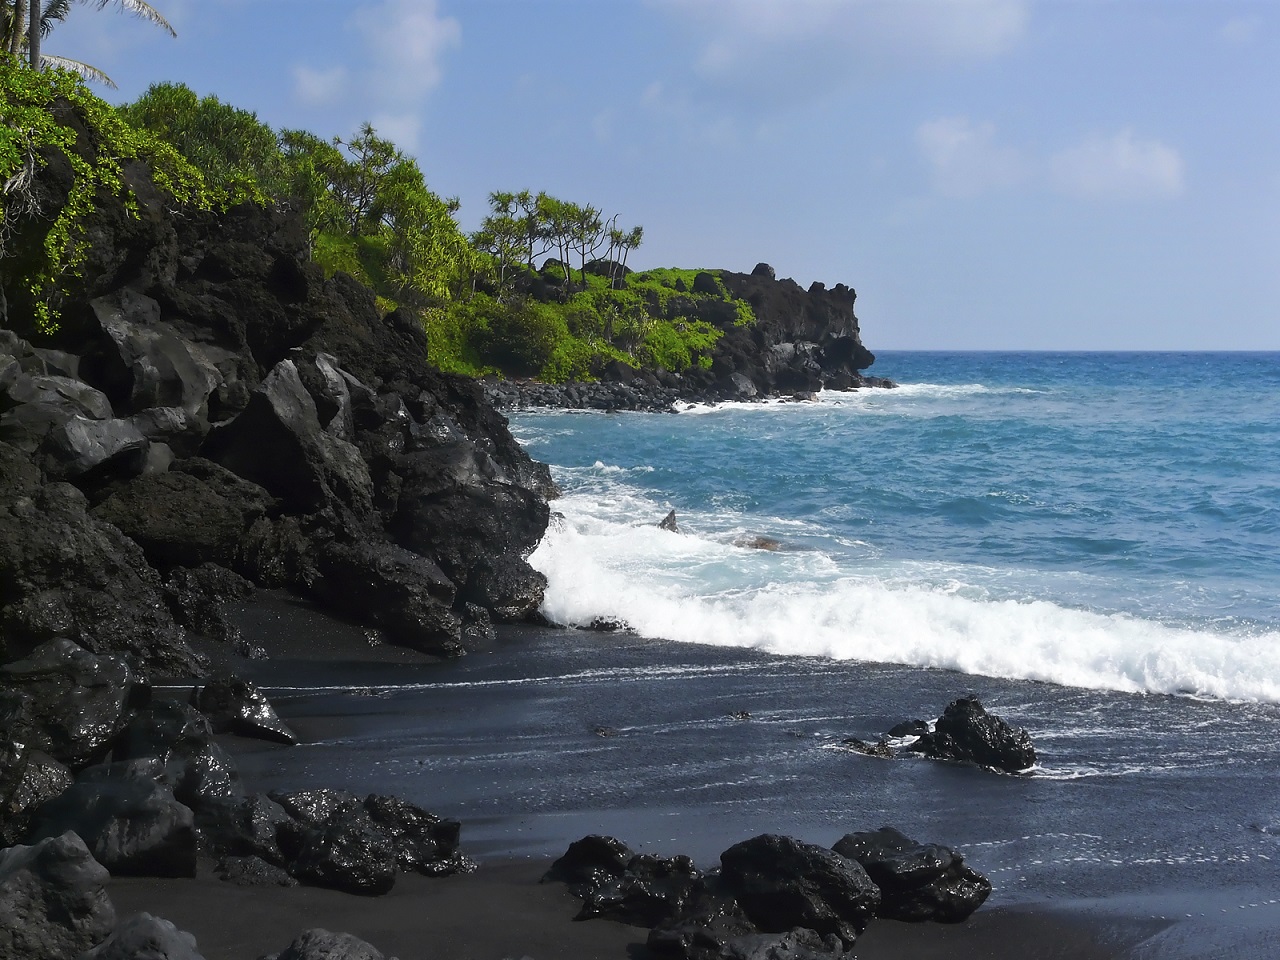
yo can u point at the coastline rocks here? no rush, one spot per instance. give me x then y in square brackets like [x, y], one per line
[319, 944]
[133, 825]
[28, 778]
[66, 701]
[590, 863]
[918, 882]
[650, 890]
[144, 937]
[400, 592]
[180, 742]
[966, 732]
[356, 845]
[64, 573]
[215, 399]
[783, 883]
[53, 900]
[194, 513]
[237, 706]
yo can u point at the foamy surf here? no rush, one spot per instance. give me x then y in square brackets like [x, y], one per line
[693, 589]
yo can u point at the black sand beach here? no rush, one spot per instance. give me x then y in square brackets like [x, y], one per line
[551, 735]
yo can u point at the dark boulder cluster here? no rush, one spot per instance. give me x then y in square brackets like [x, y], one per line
[213, 415]
[965, 733]
[773, 896]
[98, 778]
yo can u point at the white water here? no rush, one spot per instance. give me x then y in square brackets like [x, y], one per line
[700, 587]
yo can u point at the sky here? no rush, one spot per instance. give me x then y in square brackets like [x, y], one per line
[986, 174]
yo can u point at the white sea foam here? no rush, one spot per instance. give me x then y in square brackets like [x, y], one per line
[697, 589]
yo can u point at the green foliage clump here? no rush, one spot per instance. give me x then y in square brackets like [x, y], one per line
[238, 155]
[40, 112]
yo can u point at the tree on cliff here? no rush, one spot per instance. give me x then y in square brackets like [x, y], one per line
[27, 22]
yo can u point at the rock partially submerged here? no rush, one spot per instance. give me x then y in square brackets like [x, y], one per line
[966, 732]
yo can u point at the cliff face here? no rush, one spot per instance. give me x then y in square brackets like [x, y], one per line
[803, 340]
[214, 414]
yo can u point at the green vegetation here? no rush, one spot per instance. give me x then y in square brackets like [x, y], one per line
[485, 303]
[32, 132]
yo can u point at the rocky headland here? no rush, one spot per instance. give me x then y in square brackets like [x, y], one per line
[801, 342]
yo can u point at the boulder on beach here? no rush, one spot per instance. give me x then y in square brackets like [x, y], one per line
[917, 881]
[53, 900]
[966, 732]
[783, 883]
[319, 944]
[144, 937]
[132, 824]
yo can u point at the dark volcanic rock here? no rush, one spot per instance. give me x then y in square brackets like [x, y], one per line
[357, 845]
[253, 872]
[306, 468]
[424, 843]
[320, 944]
[180, 739]
[349, 854]
[965, 731]
[253, 826]
[66, 574]
[131, 824]
[461, 507]
[591, 862]
[144, 937]
[650, 890]
[401, 592]
[66, 701]
[28, 778]
[236, 705]
[783, 883]
[53, 900]
[917, 881]
[195, 513]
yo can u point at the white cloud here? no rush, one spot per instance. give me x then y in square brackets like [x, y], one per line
[964, 158]
[1241, 29]
[799, 44]
[404, 46]
[319, 87]
[1120, 166]
[407, 40]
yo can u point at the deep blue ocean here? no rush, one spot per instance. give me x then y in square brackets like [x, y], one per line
[1101, 520]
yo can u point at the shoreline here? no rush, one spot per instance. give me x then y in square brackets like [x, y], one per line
[454, 918]
[453, 915]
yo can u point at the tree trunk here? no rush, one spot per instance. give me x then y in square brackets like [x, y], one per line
[33, 34]
[18, 27]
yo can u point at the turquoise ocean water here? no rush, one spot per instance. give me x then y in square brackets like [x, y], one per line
[1100, 520]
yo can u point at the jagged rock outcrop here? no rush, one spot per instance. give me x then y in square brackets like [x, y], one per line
[212, 398]
[966, 732]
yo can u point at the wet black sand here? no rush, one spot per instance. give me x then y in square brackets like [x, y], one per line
[548, 736]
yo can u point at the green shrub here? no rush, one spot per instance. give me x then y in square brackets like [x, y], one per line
[30, 133]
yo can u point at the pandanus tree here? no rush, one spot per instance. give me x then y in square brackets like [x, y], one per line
[27, 22]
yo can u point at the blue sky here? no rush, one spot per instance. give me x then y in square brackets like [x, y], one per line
[987, 174]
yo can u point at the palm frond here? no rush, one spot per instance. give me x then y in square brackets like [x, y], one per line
[85, 70]
[55, 11]
[140, 9]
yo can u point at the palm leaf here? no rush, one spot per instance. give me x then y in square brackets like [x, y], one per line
[85, 70]
[140, 9]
